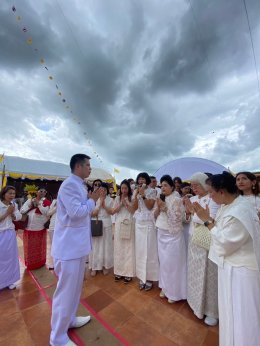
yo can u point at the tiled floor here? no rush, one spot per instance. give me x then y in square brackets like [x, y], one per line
[121, 314]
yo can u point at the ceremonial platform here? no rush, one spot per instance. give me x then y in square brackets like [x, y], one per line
[121, 314]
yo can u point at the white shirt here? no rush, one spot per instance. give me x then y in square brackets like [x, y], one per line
[7, 223]
[231, 239]
[171, 220]
[36, 220]
[102, 214]
[72, 231]
[203, 201]
[52, 214]
[254, 201]
[143, 213]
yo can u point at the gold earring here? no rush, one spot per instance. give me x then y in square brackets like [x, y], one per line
[253, 187]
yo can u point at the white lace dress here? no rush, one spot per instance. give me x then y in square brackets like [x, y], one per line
[202, 272]
[124, 249]
[172, 250]
[146, 250]
[102, 255]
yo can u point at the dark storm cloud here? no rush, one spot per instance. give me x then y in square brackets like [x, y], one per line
[144, 80]
[15, 52]
[213, 42]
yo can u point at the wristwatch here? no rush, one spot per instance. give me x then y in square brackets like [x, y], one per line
[209, 222]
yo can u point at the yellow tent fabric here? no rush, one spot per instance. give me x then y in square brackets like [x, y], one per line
[4, 182]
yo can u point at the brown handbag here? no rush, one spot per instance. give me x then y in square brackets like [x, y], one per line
[96, 228]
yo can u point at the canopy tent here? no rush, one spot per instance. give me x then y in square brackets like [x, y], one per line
[186, 166]
[99, 173]
[21, 168]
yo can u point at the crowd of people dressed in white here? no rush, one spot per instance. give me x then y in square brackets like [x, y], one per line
[199, 239]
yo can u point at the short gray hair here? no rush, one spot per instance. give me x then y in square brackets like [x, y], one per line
[199, 178]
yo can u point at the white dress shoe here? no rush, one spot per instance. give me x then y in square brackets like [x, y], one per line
[80, 321]
[70, 343]
[170, 301]
[93, 273]
[105, 271]
[12, 287]
[211, 321]
[162, 294]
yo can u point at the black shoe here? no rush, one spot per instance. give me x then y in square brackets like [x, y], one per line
[148, 286]
[127, 279]
[141, 285]
[118, 278]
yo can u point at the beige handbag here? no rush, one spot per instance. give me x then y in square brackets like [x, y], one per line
[125, 229]
[201, 236]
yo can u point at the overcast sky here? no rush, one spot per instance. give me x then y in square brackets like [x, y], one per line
[145, 81]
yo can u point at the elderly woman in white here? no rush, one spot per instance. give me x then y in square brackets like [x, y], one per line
[202, 295]
[235, 248]
[171, 243]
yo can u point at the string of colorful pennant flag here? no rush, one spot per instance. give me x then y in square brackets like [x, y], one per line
[30, 42]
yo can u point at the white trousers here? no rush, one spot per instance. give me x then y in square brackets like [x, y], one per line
[66, 298]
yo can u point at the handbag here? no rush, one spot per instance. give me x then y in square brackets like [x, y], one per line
[21, 224]
[96, 228]
[46, 225]
[201, 236]
[125, 229]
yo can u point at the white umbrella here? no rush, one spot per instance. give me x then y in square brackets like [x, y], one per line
[186, 166]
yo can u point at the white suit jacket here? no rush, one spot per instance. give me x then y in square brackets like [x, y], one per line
[72, 231]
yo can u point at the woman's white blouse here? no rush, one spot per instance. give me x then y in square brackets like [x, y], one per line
[103, 214]
[231, 243]
[171, 220]
[254, 201]
[143, 213]
[7, 223]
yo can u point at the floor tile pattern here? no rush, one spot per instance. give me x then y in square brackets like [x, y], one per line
[121, 314]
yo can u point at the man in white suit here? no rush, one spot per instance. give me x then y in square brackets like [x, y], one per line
[71, 244]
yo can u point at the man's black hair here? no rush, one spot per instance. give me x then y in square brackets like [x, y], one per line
[77, 158]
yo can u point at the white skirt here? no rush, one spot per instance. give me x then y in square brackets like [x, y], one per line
[173, 265]
[239, 306]
[186, 233]
[9, 262]
[124, 253]
[146, 251]
[102, 254]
